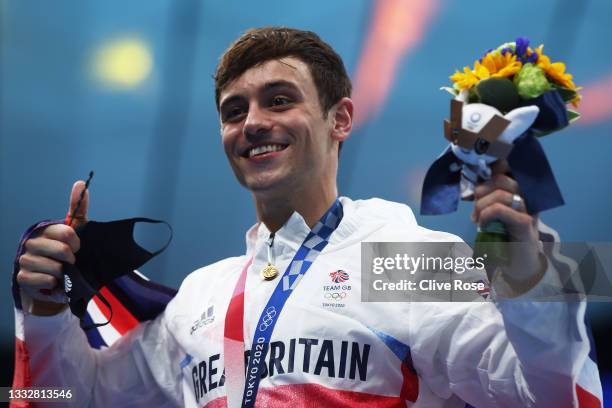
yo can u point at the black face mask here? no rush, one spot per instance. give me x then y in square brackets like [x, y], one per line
[108, 251]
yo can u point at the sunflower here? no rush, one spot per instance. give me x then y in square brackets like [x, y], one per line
[555, 70]
[494, 64]
[502, 65]
[465, 79]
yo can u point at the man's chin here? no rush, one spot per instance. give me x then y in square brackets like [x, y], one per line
[269, 187]
[262, 188]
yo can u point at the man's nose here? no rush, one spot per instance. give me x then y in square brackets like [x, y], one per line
[257, 122]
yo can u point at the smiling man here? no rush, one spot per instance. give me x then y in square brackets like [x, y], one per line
[280, 142]
[284, 323]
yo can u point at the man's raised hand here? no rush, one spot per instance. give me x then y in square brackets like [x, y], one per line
[494, 201]
[40, 276]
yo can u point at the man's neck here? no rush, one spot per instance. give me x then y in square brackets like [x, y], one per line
[275, 212]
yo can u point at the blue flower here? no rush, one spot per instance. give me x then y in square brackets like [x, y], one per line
[533, 58]
[521, 46]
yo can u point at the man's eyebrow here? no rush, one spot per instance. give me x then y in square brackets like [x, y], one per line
[279, 84]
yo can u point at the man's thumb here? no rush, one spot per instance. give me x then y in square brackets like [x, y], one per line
[77, 213]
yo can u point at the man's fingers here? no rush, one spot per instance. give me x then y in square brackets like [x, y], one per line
[46, 247]
[58, 296]
[51, 298]
[41, 264]
[34, 281]
[497, 181]
[80, 217]
[500, 167]
[519, 224]
[497, 196]
[63, 233]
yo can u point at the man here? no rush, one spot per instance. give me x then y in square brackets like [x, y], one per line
[284, 102]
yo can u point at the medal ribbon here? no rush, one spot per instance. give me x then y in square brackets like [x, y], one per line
[315, 241]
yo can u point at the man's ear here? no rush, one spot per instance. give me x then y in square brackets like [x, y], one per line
[342, 119]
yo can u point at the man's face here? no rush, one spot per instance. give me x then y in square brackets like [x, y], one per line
[273, 129]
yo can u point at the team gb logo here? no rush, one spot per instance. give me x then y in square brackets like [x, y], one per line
[339, 276]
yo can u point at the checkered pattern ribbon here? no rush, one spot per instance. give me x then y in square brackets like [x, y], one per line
[313, 245]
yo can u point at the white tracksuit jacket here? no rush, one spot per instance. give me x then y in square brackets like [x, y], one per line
[324, 351]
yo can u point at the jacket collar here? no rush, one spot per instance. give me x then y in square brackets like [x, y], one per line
[295, 230]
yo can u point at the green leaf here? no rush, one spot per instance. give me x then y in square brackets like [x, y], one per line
[542, 133]
[572, 115]
[565, 93]
[499, 93]
[473, 96]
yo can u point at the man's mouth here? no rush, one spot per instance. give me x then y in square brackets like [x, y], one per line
[264, 149]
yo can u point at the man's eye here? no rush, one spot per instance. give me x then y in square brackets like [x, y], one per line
[234, 112]
[280, 101]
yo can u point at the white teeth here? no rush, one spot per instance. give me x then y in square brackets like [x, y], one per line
[264, 149]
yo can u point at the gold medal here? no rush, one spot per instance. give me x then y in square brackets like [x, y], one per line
[269, 272]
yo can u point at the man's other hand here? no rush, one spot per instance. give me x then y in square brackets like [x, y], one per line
[40, 276]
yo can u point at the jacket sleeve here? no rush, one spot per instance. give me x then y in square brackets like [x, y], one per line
[507, 353]
[125, 374]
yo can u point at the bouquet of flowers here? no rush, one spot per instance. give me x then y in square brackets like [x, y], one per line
[513, 75]
[512, 96]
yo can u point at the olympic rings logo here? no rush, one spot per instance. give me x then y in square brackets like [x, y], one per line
[268, 318]
[335, 295]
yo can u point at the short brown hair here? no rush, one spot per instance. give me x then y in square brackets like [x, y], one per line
[259, 45]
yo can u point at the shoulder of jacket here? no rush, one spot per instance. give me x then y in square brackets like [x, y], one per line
[202, 281]
[399, 222]
[210, 274]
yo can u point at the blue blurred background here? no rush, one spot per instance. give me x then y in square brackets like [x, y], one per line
[126, 89]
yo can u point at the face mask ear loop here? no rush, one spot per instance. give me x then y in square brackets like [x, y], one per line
[152, 221]
[107, 304]
[159, 251]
